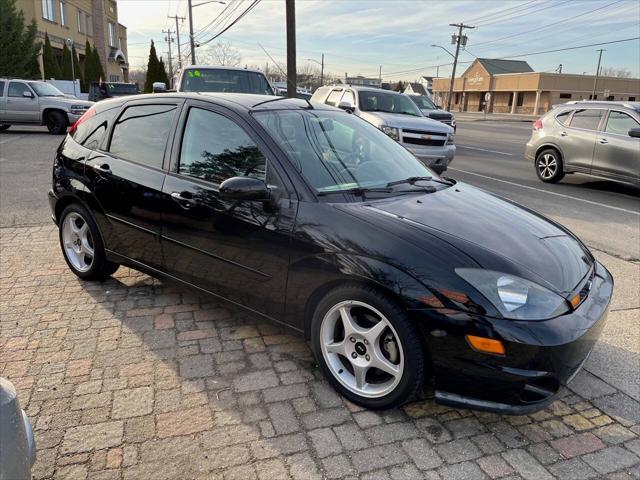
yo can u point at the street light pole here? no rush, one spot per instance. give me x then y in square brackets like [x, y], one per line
[69, 43]
[595, 81]
[455, 59]
[291, 48]
[193, 45]
[321, 68]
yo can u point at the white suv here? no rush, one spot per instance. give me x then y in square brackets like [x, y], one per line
[395, 114]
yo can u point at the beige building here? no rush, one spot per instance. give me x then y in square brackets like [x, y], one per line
[514, 87]
[82, 20]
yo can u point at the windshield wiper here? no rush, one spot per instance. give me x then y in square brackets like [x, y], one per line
[357, 191]
[413, 180]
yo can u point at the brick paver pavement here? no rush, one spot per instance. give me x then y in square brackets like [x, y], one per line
[135, 379]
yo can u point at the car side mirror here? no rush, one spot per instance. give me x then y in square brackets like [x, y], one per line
[438, 107]
[634, 132]
[245, 188]
[346, 106]
[159, 87]
[27, 94]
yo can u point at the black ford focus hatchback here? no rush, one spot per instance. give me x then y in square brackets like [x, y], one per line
[313, 218]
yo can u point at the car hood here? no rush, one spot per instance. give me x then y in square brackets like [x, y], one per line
[66, 101]
[496, 233]
[405, 122]
[436, 114]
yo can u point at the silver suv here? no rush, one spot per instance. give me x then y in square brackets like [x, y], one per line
[595, 138]
[395, 114]
[30, 102]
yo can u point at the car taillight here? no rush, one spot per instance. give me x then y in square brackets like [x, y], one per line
[537, 125]
[85, 116]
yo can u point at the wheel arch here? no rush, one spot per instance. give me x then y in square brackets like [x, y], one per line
[47, 111]
[550, 146]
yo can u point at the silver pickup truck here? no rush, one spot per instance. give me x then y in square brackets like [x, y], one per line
[30, 102]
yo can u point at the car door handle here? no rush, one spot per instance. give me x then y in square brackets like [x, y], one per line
[104, 168]
[603, 141]
[184, 199]
[563, 134]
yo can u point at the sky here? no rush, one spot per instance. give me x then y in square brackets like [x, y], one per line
[360, 36]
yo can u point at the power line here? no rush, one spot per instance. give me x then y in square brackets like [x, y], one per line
[249, 8]
[504, 19]
[218, 19]
[548, 25]
[493, 14]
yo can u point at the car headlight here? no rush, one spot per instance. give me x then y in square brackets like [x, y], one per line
[450, 137]
[453, 122]
[78, 109]
[391, 132]
[515, 297]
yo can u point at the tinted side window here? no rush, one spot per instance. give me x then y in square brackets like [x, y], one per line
[333, 97]
[141, 133]
[563, 117]
[1, 88]
[215, 148]
[587, 119]
[91, 131]
[349, 97]
[17, 89]
[620, 123]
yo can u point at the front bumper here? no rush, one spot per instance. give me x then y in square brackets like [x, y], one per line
[541, 356]
[436, 158]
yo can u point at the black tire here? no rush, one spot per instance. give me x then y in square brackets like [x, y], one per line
[549, 166]
[414, 355]
[57, 123]
[100, 268]
[4, 127]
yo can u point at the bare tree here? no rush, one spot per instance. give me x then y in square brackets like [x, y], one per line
[615, 72]
[222, 54]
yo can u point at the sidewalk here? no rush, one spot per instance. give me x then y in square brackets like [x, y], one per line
[495, 117]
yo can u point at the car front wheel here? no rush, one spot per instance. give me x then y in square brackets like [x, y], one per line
[367, 347]
[549, 166]
[57, 123]
[82, 245]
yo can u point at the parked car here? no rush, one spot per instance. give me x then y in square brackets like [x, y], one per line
[103, 90]
[312, 218]
[595, 138]
[30, 102]
[431, 110]
[207, 78]
[18, 452]
[397, 116]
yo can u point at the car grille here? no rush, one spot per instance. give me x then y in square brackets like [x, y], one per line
[441, 117]
[424, 138]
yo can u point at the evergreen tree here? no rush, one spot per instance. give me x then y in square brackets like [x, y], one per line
[66, 64]
[77, 69]
[88, 68]
[97, 65]
[153, 70]
[49, 60]
[163, 73]
[18, 47]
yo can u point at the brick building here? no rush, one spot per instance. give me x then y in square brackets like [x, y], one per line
[82, 20]
[515, 88]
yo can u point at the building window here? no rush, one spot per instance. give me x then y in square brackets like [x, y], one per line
[89, 24]
[63, 13]
[114, 78]
[632, 99]
[611, 98]
[47, 10]
[112, 35]
[520, 99]
[565, 95]
[81, 21]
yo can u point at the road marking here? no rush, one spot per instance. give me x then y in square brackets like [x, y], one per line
[484, 150]
[549, 192]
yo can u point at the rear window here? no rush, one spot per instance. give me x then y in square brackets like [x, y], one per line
[121, 89]
[333, 97]
[222, 80]
[91, 129]
[589, 119]
[141, 133]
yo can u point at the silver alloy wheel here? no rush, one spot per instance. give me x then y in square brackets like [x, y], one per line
[547, 166]
[77, 242]
[354, 353]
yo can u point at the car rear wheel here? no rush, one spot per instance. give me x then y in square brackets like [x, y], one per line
[4, 127]
[57, 123]
[367, 347]
[549, 167]
[82, 245]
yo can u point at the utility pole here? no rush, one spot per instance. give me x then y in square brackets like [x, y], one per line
[380, 76]
[457, 39]
[322, 71]
[191, 41]
[595, 81]
[169, 40]
[291, 48]
[178, 39]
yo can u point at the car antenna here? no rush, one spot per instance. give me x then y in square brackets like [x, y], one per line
[278, 99]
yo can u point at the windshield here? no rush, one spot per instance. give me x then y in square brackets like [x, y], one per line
[423, 102]
[46, 89]
[122, 88]
[336, 151]
[380, 101]
[223, 80]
